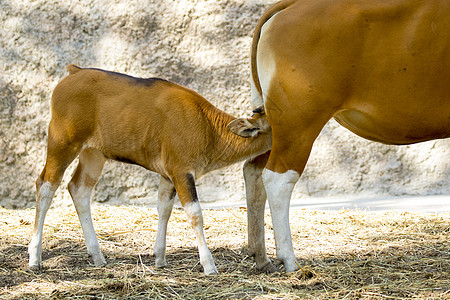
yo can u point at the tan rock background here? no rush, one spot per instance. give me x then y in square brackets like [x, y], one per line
[202, 44]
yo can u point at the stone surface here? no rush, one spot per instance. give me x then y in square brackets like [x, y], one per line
[202, 44]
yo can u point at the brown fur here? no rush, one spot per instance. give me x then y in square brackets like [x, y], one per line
[381, 69]
[164, 127]
[159, 125]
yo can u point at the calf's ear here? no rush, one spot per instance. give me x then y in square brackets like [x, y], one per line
[243, 127]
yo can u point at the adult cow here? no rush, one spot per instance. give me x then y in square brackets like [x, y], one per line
[381, 68]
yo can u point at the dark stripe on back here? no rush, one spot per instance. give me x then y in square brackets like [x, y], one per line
[143, 81]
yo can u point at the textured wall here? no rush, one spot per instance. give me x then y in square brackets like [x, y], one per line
[203, 44]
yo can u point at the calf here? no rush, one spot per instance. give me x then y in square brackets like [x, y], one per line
[159, 125]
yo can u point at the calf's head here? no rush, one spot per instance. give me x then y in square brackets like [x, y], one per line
[251, 127]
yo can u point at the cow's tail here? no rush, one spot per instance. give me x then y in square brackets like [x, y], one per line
[277, 7]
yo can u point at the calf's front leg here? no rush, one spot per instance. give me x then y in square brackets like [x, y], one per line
[166, 195]
[88, 171]
[185, 187]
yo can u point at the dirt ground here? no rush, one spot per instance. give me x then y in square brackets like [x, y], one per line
[344, 254]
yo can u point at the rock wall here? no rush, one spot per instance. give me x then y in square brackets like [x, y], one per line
[202, 44]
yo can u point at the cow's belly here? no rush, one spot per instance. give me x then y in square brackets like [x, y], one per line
[398, 130]
[383, 65]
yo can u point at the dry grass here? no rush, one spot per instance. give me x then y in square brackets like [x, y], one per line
[344, 255]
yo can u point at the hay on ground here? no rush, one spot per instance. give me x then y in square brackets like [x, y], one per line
[343, 255]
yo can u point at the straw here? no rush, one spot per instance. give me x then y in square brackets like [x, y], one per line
[343, 254]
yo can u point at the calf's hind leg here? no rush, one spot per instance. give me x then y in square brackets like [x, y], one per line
[60, 153]
[88, 171]
[45, 190]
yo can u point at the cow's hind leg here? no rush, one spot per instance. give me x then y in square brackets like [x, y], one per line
[166, 195]
[60, 153]
[80, 187]
[279, 188]
[297, 116]
[256, 203]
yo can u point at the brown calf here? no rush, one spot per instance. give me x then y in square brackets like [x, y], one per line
[159, 125]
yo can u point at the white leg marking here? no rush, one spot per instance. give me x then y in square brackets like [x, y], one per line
[44, 199]
[194, 214]
[166, 193]
[82, 201]
[279, 188]
[256, 202]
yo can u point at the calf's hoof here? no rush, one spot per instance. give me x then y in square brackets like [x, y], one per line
[100, 264]
[161, 263]
[99, 260]
[211, 271]
[34, 267]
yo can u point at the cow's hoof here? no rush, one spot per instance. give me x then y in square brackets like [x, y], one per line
[35, 268]
[268, 268]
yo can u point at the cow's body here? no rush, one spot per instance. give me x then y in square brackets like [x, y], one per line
[159, 125]
[380, 68]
